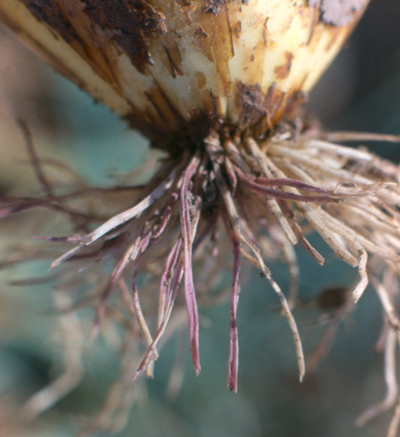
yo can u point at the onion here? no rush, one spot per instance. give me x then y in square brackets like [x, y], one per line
[158, 63]
[218, 85]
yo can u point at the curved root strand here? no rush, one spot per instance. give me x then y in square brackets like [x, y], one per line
[260, 194]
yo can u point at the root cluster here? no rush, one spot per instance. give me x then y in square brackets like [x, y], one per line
[242, 199]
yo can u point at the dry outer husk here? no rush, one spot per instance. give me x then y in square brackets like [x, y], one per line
[159, 62]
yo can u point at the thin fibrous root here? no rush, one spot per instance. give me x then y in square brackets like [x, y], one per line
[190, 294]
[360, 136]
[391, 382]
[394, 423]
[214, 149]
[362, 268]
[387, 305]
[72, 362]
[264, 196]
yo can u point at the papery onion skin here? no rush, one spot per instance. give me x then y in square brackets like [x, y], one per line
[159, 63]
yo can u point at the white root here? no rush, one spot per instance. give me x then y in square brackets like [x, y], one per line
[129, 214]
[394, 423]
[357, 217]
[341, 136]
[72, 362]
[213, 148]
[391, 382]
[272, 203]
[119, 219]
[387, 305]
[289, 255]
[362, 268]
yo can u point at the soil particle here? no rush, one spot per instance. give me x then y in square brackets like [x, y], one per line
[249, 101]
[260, 112]
[214, 6]
[132, 24]
[50, 13]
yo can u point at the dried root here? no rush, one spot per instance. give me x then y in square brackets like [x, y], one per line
[388, 293]
[261, 195]
[73, 370]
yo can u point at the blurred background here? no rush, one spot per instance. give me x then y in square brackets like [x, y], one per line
[360, 92]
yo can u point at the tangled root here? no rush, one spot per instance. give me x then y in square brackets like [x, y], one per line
[262, 196]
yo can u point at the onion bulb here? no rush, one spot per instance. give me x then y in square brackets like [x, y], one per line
[160, 63]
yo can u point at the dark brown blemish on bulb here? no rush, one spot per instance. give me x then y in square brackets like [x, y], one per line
[132, 25]
[262, 111]
[249, 102]
[50, 13]
[282, 71]
[237, 30]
